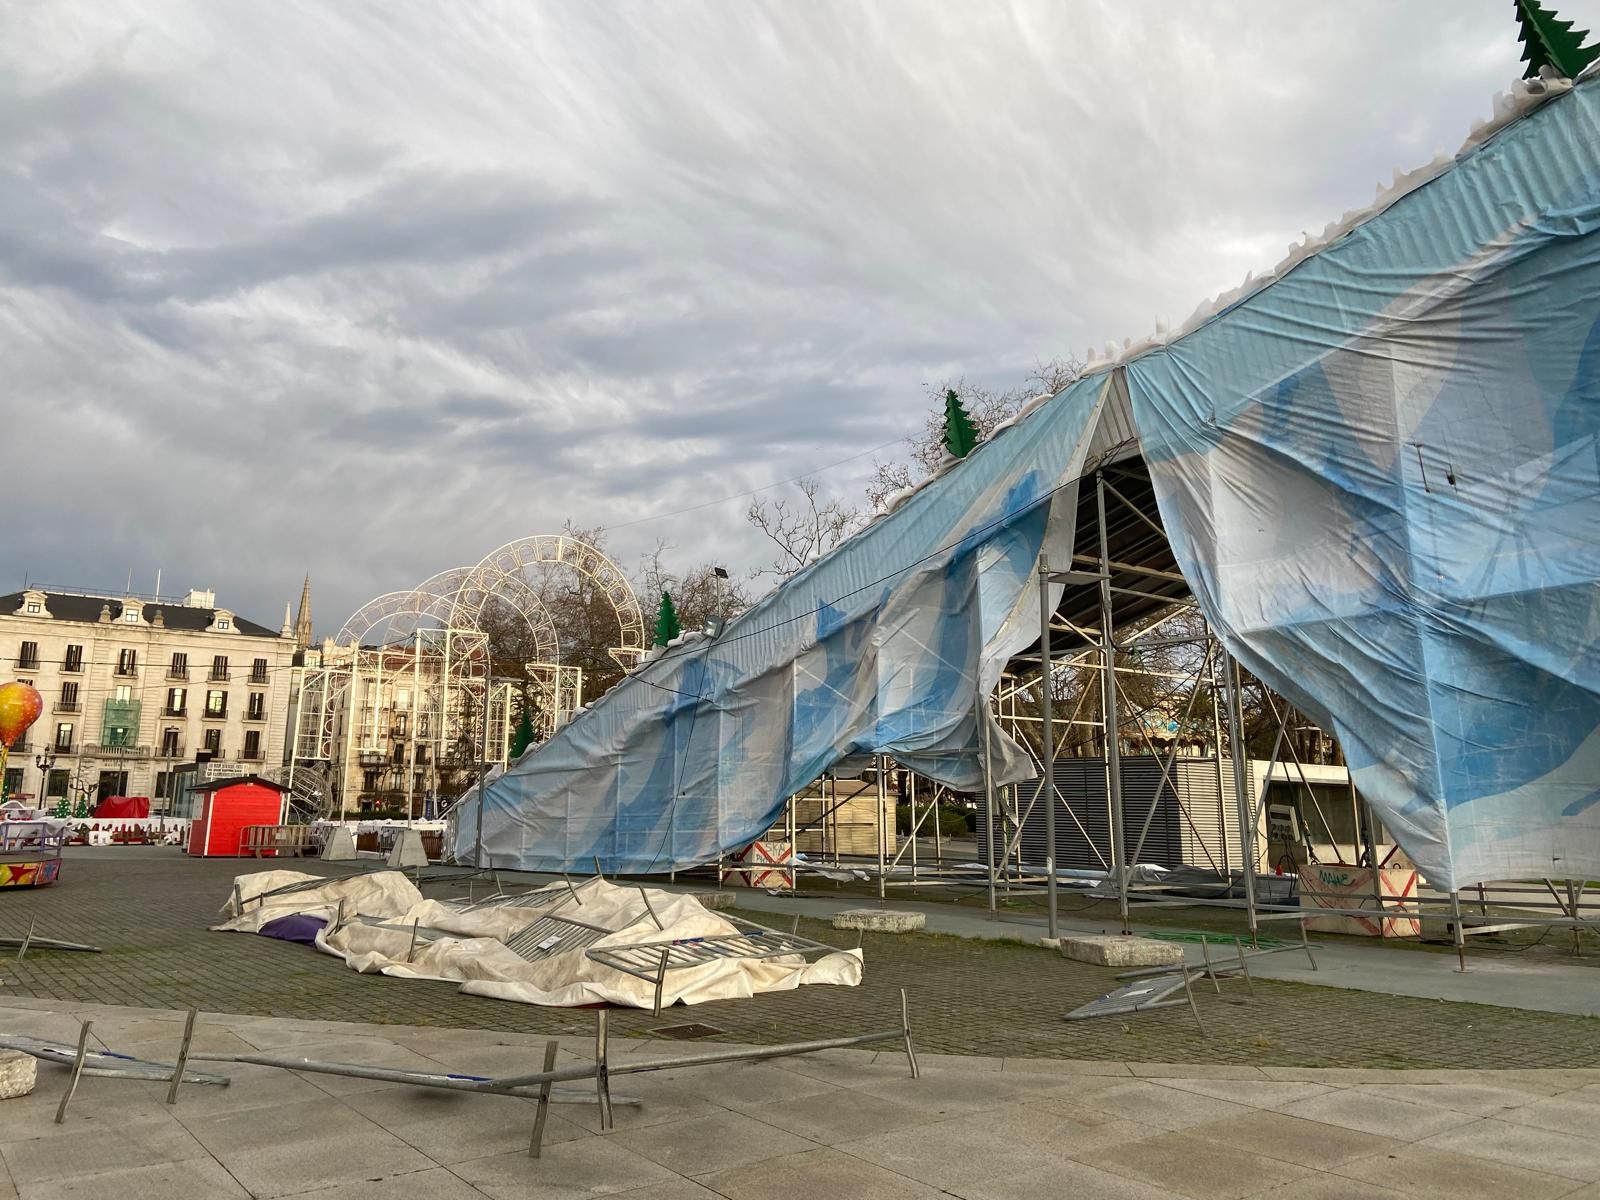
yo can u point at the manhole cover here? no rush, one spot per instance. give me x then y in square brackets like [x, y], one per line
[687, 1033]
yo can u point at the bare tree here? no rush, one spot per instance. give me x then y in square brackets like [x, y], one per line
[986, 407]
[699, 594]
[802, 529]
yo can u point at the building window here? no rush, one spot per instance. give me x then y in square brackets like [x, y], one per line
[400, 725]
[219, 668]
[127, 662]
[57, 784]
[177, 701]
[169, 744]
[74, 662]
[258, 671]
[399, 753]
[131, 616]
[216, 703]
[252, 743]
[214, 741]
[13, 783]
[164, 785]
[64, 736]
[179, 668]
[69, 697]
[122, 693]
[119, 735]
[258, 707]
[35, 607]
[222, 622]
[28, 659]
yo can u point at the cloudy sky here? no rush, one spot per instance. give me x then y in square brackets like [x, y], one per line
[367, 290]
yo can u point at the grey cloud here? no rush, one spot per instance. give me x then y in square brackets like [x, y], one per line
[368, 290]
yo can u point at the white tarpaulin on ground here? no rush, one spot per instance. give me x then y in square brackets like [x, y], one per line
[379, 910]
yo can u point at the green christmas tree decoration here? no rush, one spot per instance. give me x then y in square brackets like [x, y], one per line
[960, 434]
[667, 626]
[80, 810]
[1548, 41]
[61, 811]
[523, 738]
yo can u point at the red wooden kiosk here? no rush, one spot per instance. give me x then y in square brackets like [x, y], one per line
[227, 806]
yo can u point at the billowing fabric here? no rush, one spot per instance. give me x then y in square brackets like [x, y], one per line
[881, 646]
[1381, 476]
[1379, 473]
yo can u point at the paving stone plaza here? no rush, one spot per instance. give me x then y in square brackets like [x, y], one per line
[1295, 1090]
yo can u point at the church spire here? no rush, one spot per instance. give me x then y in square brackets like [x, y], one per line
[302, 620]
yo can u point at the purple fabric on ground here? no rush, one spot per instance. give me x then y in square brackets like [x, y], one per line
[296, 927]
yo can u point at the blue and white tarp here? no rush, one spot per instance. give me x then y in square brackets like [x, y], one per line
[1380, 473]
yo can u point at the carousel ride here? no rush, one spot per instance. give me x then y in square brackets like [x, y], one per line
[425, 688]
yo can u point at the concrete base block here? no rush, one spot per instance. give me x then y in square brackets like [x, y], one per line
[1112, 950]
[18, 1073]
[1050, 943]
[408, 851]
[879, 920]
[717, 901]
[340, 846]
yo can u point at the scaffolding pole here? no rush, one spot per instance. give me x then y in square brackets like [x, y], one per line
[1108, 694]
[1241, 799]
[1047, 712]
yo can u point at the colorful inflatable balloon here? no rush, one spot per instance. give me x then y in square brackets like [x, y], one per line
[20, 706]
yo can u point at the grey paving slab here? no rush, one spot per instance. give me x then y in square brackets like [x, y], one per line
[249, 1087]
[1256, 1093]
[837, 1116]
[672, 1189]
[822, 1174]
[434, 1183]
[198, 1179]
[1525, 1146]
[1066, 1179]
[1292, 1139]
[1352, 1109]
[449, 1127]
[1478, 1099]
[590, 1167]
[742, 1084]
[1167, 1108]
[663, 1096]
[295, 1147]
[1329, 1187]
[365, 1051]
[1433, 1173]
[1559, 1113]
[38, 1160]
[702, 1145]
[1194, 1166]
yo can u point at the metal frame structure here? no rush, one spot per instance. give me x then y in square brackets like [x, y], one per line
[408, 684]
[536, 1085]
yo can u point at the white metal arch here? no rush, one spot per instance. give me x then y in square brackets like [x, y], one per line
[512, 559]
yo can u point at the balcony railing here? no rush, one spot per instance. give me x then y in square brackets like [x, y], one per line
[251, 755]
[72, 667]
[126, 670]
[216, 675]
[171, 750]
[214, 714]
[252, 714]
[180, 673]
[175, 712]
[102, 751]
[27, 663]
[258, 677]
[217, 753]
[22, 746]
[58, 747]
[68, 706]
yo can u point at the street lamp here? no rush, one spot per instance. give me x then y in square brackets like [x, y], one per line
[44, 762]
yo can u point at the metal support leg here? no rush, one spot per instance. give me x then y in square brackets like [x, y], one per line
[536, 1142]
[28, 937]
[883, 829]
[1112, 724]
[1047, 724]
[1244, 966]
[1211, 973]
[77, 1070]
[990, 807]
[1193, 1007]
[602, 1070]
[183, 1056]
[1461, 933]
[661, 975]
[1241, 788]
[1305, 943]
[905, 1029]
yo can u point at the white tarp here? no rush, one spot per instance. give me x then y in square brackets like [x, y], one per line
[476, 957]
